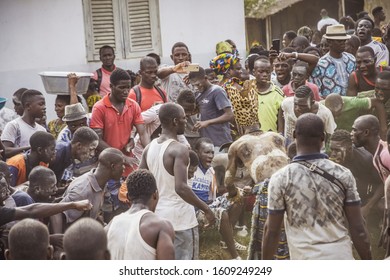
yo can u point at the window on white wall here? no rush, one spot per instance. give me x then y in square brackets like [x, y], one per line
[131, 27]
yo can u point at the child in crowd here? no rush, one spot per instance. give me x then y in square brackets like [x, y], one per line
[204, 186]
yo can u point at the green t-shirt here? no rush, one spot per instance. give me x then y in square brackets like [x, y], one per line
[269, 104]
[371, 94]
[353, 108]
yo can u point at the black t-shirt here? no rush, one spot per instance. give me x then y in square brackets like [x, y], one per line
[6, 215]
[366, 176]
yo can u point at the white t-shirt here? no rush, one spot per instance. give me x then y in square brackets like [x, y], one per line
[325, 21]
[173, 84]
[19, 132]
[152, 122]
[290, 119]
[381, 53]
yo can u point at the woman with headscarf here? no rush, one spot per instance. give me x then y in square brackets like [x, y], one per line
[244, 105]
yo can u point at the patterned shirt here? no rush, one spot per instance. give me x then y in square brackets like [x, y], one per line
[65, 135]
[381, 53]
[331, 74]
[55, 127]
[244, 105]
[381, 160]
[316, 225]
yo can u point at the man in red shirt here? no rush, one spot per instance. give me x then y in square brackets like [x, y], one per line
[148, 94]
[114, 116]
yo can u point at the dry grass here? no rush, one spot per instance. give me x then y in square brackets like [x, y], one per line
[209, 248]
[374, 222]
[209, 240]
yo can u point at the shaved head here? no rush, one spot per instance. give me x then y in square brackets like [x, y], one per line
[168, 112]
[309, 131]
[85, 240]
[309, 125]
[334, 102]
[369, 122]
[110, 156]
[28, 240]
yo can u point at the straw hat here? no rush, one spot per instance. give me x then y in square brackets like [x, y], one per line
[336, 32]
[74, 112]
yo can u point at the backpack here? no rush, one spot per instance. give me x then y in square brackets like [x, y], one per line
[99, 78]
[138, 98]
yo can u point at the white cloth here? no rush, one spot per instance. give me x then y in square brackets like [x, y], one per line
[152, 122]
[19, 132]
[170, 205]
[124, 238]
[290, 119]
[325, 21]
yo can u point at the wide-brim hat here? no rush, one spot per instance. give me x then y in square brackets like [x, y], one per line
[336, 32]
[74, 112]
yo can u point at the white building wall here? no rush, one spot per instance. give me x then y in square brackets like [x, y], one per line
[201, 24]
[44, 35]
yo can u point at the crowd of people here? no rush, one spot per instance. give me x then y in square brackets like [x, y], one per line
[148, 159]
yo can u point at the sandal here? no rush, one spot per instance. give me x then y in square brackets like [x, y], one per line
[238, 246]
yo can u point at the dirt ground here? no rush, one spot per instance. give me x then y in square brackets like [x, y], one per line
[374, 222]
[210, 249]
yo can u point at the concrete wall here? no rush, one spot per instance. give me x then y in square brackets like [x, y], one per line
[44, 35]
[201, 24]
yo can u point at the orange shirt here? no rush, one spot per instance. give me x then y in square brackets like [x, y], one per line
[17, 166]
[150, 97]
[116, 127]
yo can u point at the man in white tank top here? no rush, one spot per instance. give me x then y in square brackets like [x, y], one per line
[168, 161]
[139, 234]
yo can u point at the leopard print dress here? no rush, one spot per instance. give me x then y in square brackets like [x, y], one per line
[244, 103]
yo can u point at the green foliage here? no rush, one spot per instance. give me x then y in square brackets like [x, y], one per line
[251, 6]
